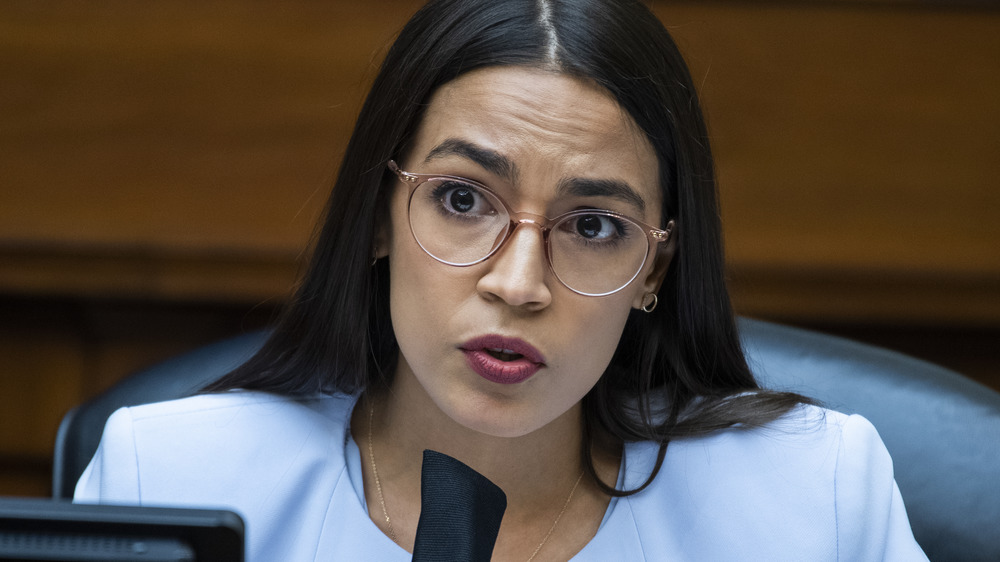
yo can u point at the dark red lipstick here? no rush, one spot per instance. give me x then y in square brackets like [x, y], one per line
[501, 359]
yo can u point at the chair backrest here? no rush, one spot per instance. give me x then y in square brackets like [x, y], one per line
[942, 429]
[80, 431]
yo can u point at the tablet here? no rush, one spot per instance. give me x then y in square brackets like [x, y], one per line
[42, 529]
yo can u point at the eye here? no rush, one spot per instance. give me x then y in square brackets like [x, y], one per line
[598, 227]
[459, 198]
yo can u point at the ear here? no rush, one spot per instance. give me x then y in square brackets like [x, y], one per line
[382, 239]
[662, 258]
[381, 242]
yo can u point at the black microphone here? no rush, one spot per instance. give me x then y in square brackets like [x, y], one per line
[460, 512]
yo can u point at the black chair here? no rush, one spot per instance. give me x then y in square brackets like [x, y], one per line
[81, 428]
[942, 429]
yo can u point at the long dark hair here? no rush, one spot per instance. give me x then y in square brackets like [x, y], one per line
[678, 371]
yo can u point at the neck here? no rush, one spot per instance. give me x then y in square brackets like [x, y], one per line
[536, 470]
[527, 467]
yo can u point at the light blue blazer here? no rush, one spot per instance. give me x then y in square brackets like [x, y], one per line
[816, 485]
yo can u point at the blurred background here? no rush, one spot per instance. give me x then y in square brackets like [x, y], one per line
[162, 165]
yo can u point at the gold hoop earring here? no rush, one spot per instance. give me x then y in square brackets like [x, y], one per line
[647, 308]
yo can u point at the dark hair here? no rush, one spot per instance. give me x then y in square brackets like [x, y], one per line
[678, 371]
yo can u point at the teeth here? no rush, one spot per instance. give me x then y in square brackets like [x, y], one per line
[503, 354]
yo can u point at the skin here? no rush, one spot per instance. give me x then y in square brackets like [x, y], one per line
[524, 437]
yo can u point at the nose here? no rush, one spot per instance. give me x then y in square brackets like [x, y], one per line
[518, 273]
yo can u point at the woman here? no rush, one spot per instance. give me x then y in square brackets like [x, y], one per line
[521, 268]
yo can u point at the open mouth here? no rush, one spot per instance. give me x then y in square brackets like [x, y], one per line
[500, 359]
[503, 354]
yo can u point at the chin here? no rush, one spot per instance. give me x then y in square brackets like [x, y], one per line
[502, 431]
[506, 428]
[496, 420]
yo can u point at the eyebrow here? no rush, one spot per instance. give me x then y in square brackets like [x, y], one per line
[490, 160]
[499, 165]
[615, 189]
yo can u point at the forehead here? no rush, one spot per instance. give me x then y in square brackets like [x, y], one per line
[549, 126]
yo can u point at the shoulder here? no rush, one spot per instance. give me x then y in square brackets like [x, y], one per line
[282, 463]
[805, 441]
[203, 443]
[234, 422]
[820, 480]
[238, 410]
[796, 437]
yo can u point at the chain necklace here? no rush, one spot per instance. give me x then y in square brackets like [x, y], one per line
[378, 485]
[558, 517]
[385, 513]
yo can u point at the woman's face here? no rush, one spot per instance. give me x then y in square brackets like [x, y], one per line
[530, 135]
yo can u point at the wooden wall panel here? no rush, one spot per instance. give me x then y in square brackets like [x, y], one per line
[43, 375]
[856, 154]
[198, 126]
[56, 353]
[166, 150]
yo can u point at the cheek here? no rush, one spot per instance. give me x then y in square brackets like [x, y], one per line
[409, 267]
[425, 298]
[414, 315]
[408, 301]
[411, 298]
[593, 339]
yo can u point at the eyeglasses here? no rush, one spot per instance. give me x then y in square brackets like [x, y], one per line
[460, 222]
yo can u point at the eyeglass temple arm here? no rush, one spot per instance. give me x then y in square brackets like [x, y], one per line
[403, 176]
[664, 234]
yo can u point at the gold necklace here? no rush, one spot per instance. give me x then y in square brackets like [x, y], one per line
[378, 485]
[385, 513]
[558, 517]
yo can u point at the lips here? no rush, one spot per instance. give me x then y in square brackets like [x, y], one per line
[501, 359]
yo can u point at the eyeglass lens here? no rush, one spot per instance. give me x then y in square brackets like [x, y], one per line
[592, 252]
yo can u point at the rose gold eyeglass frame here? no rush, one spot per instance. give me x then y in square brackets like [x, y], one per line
[654, 236]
